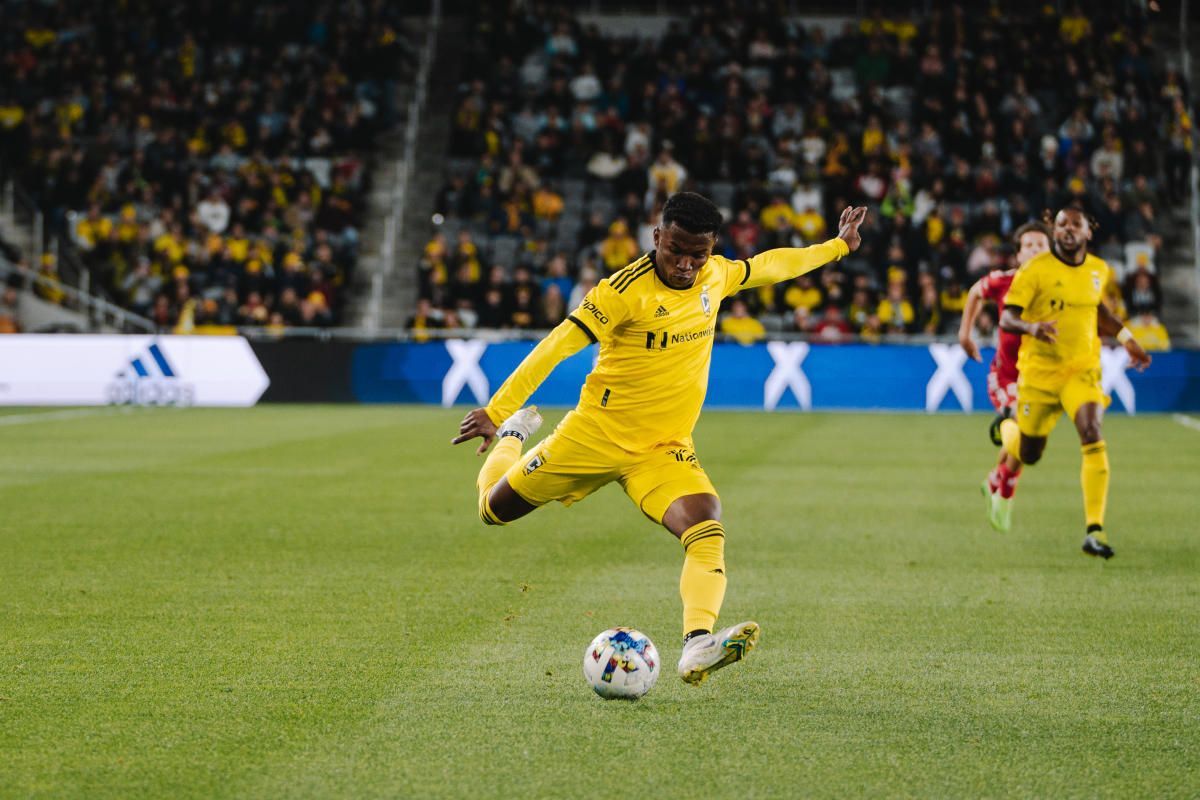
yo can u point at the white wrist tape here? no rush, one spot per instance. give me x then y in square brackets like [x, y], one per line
[1124, 335]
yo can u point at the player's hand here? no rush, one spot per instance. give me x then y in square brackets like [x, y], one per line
[1045, 331]
[848, 226]
[970, 348]
[1139, 359]
[476, 423]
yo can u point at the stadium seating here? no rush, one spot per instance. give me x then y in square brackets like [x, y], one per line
[953, 130]
[209, 163]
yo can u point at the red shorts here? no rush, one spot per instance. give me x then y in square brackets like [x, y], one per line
[1002, 387]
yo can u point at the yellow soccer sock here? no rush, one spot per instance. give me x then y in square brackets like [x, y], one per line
[1093, 476]
[1010, 435]
[702, 582]
[504, 454]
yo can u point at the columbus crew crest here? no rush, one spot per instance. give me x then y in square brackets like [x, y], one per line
[704, 301]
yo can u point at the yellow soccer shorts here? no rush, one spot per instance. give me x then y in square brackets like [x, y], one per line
[1042, 395]
[577, 459]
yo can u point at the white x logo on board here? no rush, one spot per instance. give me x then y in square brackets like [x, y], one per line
[949, 377]
[1113, 363]
[465, 371]
[787, 375]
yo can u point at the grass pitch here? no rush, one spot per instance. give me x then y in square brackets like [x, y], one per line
[301, 602]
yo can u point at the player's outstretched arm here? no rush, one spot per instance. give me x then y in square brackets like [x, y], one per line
[785, 263]
[564, 341]
[967, 324]
[1108, 324]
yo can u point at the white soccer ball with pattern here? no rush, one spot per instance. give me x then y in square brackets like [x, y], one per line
[621, 664]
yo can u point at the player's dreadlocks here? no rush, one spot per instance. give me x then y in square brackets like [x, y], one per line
[1048, 217]
[692, 212]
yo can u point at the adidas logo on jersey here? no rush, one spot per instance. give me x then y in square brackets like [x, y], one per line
[662, 312]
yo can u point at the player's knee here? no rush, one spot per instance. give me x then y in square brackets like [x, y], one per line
[486, 514]
[690, 510]
[1031, 453]
[1089, 432]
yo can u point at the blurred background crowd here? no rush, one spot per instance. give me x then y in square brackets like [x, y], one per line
[954, 128]
[209, 163]
[209, 160]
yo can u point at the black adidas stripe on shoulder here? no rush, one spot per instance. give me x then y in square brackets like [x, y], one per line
[625, 275]
[745, 277]
[627, 282]
[627, 270]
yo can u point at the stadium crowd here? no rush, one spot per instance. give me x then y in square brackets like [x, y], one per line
[209, 160]
[954, 129]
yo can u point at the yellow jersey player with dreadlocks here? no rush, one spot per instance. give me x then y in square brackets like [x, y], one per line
[1056, 304]
[655, 321]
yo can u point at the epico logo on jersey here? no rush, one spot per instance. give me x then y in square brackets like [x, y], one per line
[150, 380]
[588, 305]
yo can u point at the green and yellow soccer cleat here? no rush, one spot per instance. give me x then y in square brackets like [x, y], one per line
[999, 509]
[704, 655]
[1001, 516]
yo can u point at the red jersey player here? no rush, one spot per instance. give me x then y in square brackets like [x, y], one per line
[1031, 239]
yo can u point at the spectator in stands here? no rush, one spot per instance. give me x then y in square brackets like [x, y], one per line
[952, 300]
[929, 311]
[140, 287]
[423, 319]
[666, 175]
[556, 275]
[10, 312]
[618, 248]
[1142, 294]
[801, 320]
[895, 312]
[739, 325]
[547, 203]
[1150, 332]
[861, 307]
[554, 307]
[587, 281]
[524, 312]
[47, 284]
[832, 327]
[778, 219]
[803, 292]
[214, 213]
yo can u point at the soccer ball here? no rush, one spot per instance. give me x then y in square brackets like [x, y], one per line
[621, 664]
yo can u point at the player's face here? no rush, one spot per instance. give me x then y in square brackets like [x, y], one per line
[681, 255]
[1071, 230]
[1032, 243]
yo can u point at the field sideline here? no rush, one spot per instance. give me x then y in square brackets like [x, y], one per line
[301, 602]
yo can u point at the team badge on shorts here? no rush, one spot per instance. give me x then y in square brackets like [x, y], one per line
[534, 463]
[1025, 409]
[704, 301]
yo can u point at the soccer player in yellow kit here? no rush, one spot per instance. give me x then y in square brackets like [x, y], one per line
[1056, 304]
[655, 321]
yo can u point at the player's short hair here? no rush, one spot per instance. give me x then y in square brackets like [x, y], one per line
[1033, 226]
[693, 212]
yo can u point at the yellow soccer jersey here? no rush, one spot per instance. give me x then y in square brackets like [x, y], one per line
[656, 342]
[1048, 289]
